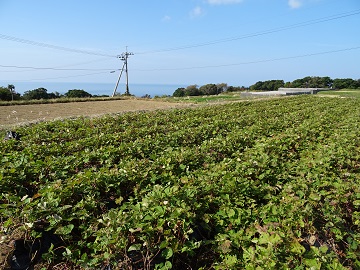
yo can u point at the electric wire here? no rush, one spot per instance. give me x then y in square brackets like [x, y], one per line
[50, 46]
[256, 34]
[188, 68]
[64, 77]
[306, 23]
[203, 67]
[189, 46]
[84, 63]
[59, 69]
[253, 62]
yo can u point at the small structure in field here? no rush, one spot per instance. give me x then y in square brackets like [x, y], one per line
[282, 91]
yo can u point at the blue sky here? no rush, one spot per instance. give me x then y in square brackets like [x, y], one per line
[238, 42]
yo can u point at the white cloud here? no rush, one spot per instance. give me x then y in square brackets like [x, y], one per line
[223, 2]
[295, 3]
[196, 12]
[166, 18]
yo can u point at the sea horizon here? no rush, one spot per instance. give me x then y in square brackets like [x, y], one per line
[137, 89]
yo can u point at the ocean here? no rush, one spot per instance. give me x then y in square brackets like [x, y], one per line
[96, 88]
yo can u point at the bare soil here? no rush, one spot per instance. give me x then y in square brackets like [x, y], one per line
[11, 116]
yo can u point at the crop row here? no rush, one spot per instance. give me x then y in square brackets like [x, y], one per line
[271, 184]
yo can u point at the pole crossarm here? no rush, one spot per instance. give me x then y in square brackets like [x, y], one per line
[123, 57]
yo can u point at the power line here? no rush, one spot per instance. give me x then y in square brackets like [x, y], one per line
[252, 62]
[266, 32]
[83, 63]
[229, 39]
[50, 46]
[187, 68]
[64, 77]
[211, 66]
[58, 69]
[53, 68]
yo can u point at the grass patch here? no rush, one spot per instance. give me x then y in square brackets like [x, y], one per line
[209, 99]
[348, 93]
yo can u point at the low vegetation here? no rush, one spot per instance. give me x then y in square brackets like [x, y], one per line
[269, 85]
[307, 82]
[268, 184]
[43, 96]
[345, 93]
[9, 94]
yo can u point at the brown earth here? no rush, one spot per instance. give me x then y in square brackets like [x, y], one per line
[11, 116]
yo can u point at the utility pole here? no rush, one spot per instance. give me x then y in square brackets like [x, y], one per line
[124, 57]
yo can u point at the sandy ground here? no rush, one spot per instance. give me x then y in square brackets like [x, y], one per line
[22, 114]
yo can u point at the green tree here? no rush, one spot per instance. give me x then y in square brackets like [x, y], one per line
[274, 85]
[346, 83]
[54, 95]
[192, 90]
[326, 82]
[146, 96]
[209, 89]
[39, 93]
[236, 88]
[298, 83]
[288, 85]
[180, 92]
[222, 87]
[270, 85]
[257, 86]
[5, 94]
[77, 93]
[312, 82]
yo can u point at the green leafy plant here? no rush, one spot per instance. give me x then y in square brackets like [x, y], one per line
[265, 184]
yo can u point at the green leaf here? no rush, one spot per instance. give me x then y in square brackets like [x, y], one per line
[168, 265]
[106, 255]
[159, 210]
[8, 222]
[167, 253]
[312, 263]
[182, 167]
[65, 229]
[134, 247]
[297, 248]
[231, 212]
[163, 244]
[119, 200]
[324, 249]
[356, 202]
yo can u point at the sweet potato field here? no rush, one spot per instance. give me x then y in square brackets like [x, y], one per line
[270, 184]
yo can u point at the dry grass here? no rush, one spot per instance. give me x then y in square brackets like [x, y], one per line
[11, 116]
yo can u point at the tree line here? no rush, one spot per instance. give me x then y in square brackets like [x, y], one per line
[269, 85]
[207, 89]
[9, 94]
[307, 82]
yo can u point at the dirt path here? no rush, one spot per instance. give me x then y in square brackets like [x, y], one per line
[22, 114]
